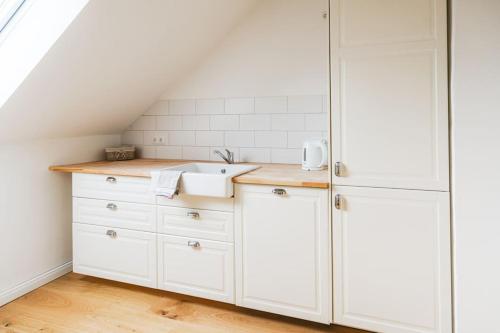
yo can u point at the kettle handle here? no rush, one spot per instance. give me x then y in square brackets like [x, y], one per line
[324, 152]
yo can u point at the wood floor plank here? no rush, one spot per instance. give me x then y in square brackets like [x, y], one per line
[82, 304]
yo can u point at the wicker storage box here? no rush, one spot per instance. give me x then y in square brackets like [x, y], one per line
[120, 153]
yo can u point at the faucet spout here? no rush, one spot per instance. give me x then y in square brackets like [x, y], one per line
[229, 158]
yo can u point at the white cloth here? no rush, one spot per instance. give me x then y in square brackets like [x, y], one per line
[166, 182]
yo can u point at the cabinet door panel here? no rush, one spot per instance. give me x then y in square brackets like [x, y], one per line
[392, 260]
[389, 93]
[282, 249]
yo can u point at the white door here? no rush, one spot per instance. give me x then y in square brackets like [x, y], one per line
[389, 93]
[392, 260]
[115, 254]
[196, 267]
[282, 251]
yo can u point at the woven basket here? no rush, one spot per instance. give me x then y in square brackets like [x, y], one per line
[120, 153]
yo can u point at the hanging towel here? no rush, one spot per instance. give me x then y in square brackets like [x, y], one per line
[166, 182]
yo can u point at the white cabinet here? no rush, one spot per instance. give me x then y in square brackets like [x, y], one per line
[392, 260]
[389, 93]
[282, 247]
[196, 267]
[116, 254]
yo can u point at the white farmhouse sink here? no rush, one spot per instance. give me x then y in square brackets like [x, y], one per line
[210, 179]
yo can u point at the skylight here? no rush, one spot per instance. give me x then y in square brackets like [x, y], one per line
[8, 9]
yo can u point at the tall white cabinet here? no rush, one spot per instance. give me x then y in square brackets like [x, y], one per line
[390, 169]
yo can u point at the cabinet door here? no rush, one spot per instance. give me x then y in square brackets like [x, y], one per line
[392, 260]
[115, 254]
[282, 251]
[389, 93]
[196, 267]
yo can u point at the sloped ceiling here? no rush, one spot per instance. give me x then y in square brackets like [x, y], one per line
[112, 62]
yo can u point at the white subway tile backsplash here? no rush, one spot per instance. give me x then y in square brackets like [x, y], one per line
[155, 138]
[317, 122]
[210, 106]
[240, 139]
[297, 139]
[255, 122]
[271, 139]
[200, 123]
[182, 106]
[160, 108]
[144, 123]
[224, 122]
[168, 122]
[181, 138]
[287, 122]
[196, 153]
[133, 137]
[286, 156]
[239, 105]
[305, 104]
[169, 152]
[261, 129]
[215, 157]
[209, 138]
[256, 155]
[270, 105]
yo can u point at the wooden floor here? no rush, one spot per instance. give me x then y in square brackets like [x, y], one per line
[77, 303]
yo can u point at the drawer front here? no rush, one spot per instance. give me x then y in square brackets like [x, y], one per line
[115, 254]
[198, 202]
[115, 214]
[196, 223]
[205, 270]
[129, 189]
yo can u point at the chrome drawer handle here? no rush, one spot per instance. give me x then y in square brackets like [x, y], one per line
[111, 180]
[338, 201]
[111, 233]
[111, 206]
[193, 243]
[193, 215]
[279, 191]
[338, 169]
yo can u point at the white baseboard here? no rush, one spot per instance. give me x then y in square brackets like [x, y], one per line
[30, 285]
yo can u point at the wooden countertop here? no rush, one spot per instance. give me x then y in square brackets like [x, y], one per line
[267, 174]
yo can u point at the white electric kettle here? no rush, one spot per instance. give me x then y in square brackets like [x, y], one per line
[315, 155]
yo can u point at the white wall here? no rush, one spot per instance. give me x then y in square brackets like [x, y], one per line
[475, 110]
[280, 49]
[35, 209]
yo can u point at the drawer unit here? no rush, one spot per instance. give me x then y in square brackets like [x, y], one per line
[199, 223]
[129, 189]
[115, 254]
[115, 214]
[196, 267]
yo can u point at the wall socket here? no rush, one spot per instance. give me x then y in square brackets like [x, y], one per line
[155, 138]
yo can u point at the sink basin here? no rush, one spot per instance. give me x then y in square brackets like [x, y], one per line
[210, 179]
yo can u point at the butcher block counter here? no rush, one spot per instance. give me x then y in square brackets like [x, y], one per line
[266, 174]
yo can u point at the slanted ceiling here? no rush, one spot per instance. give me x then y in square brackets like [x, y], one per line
[112, 63]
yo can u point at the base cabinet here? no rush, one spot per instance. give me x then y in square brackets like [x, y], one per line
[392, 270]
[282, 251]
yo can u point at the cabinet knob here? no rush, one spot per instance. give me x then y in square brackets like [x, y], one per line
[111, 206]
[193, 243]
[338, 201]
[111, 180]
[338, 169]
[279, 191]
[193, 215]
[111, 233]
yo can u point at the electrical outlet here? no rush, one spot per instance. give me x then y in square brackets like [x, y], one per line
[155, 138]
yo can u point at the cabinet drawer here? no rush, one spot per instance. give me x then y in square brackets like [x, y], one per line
[198, 223]
[115, 254]
[115, 214]
[199, 202]
[129, 189]
[205, 270]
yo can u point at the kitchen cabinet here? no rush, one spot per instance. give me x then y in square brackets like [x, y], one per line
[392, 270]
[282, 248]
[389, 94]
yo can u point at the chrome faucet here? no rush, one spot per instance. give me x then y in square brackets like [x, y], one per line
[229, 158]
